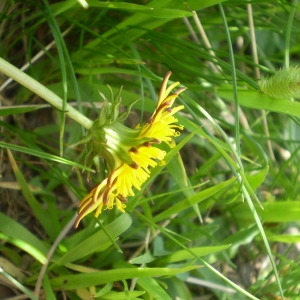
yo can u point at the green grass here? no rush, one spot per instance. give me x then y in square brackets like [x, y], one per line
[220, 220]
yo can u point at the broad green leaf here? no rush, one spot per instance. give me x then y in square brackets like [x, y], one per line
[98, 241]
[258, 100]
[143, 259]
[272, 212]
[281, 211]
[151, 286]
[284, 238]
[16, 234]
[76, 281]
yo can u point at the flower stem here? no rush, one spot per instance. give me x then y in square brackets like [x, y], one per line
[39, 89]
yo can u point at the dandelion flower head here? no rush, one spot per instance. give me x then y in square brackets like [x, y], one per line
[130, 153]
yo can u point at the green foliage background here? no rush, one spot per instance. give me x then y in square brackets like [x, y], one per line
[220, 220]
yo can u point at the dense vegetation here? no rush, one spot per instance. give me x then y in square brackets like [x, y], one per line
[219, 218]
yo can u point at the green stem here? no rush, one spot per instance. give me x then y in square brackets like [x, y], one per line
[39, 89]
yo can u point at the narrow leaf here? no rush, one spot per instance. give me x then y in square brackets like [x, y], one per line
[69, 282]
[20, 109]
[42, 155]
[51, 226]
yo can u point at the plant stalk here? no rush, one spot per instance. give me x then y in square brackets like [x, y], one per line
[39, 89]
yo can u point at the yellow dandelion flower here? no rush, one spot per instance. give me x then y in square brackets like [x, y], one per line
[130, 153]
[162, 124]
